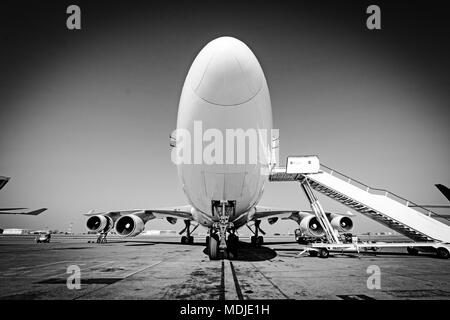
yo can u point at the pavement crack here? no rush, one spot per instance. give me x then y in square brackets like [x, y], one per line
[270, 281]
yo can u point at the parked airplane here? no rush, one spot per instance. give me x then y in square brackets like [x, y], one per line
[445, 191]
[3, 182]
[225, 89]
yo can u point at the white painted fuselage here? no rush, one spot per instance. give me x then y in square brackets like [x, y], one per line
[224, 89]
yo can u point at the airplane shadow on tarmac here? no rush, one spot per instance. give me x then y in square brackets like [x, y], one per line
[151, 243]
[248, 252]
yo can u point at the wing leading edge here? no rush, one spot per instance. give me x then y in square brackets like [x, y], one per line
[180, 212]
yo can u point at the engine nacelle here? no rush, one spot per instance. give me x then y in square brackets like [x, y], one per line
[129, 226]
[100, 223]
[341, 223]
[309, 226]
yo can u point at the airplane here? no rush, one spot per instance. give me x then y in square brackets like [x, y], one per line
[3, 182]
[225, 89]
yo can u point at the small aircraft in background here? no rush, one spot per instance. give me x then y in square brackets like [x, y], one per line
[3, 182]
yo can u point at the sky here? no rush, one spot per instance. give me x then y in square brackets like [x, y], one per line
[86, 114]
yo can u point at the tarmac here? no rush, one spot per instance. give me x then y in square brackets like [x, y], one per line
[159, 267]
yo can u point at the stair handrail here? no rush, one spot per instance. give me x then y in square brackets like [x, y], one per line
[369, 189]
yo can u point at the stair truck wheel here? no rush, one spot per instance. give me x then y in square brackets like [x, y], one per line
[260, 241]
[313, 253]
[213, 247]
[323, 253]
[443, 253]
[412, 251]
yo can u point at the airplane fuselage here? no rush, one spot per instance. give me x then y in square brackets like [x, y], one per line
[225, 94]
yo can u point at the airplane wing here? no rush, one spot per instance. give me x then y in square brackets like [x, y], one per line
[267, 212]
[273, 214]
[28, 213]
[3, 182]
[180, 212]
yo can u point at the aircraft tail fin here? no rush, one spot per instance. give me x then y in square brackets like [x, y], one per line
[3, 181]
[445, 191]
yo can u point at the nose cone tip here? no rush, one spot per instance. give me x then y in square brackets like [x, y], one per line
[226, 72]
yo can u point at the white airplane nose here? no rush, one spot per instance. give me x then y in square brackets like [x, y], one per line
[226, 73]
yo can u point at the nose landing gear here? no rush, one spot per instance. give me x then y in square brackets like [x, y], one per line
[217, 241]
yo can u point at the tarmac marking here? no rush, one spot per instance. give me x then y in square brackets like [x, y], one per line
[190, 276]
[142, 269]
[236, 282]
[270, 281]
[23, 270]
[229, 285]
[421, 293]
[119, 279]
[86, 268]
[253, 284]
[222, 282]
[83, 281]
[354, 297]
[40, 265]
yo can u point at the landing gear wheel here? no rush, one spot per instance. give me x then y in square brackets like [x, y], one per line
[257, 241]
[313, 253]
[232, 246]
[184, 240]
[442, 253]
[412, 251]
[260, 241]
[207, 241]
[323, 253]
[190, 239]
[213, 247]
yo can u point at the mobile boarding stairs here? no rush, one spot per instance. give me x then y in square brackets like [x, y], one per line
[417, 223]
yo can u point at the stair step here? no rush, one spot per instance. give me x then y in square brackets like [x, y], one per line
[362, 208]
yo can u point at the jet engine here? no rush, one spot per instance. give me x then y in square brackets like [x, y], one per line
[309, 226]
[100, 223]
[341, 223]
[129, 225]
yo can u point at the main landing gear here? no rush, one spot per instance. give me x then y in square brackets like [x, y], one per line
[187, 239]
[256, 239]
[412, 251]
[102, 237]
